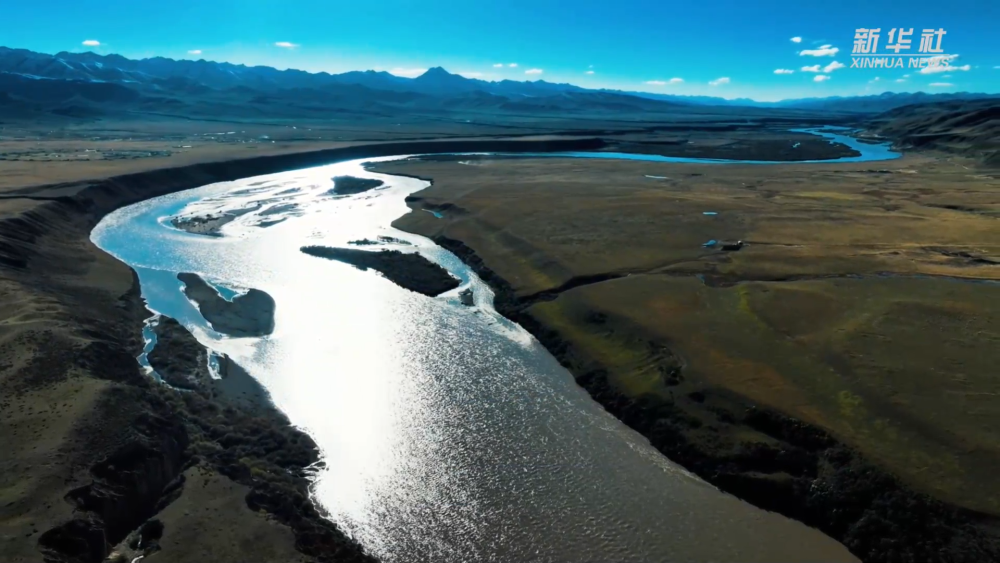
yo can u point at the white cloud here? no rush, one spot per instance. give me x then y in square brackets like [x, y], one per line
[941, 84]
[783, 71]
[194, 52]
[534, 71]
[407, 72]
[719, 81]
[92, 43]
[589, 72]
[796, 40]
[876, 79]
[813, 68]
[512, 65]
[471, 74]
[820, 78]
[832, 67]
[498, 65]
[665, 82]
[285, 44]
[943, 68]
[823, 51]
[942, 63]
[900, 80]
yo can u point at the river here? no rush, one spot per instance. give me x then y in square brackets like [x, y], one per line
[448, 432]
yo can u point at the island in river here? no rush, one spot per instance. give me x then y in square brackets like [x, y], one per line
[409, 270]
[348, 185]
[210, 224]
[250, 314]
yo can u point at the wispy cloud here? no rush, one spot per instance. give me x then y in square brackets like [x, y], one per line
[656, 82]
[498, 65]
[823, 51]
[942, 64]
[512, 65]
[719, 81]
[589, 72]
[783, 71]
[900, 80]
[832, 67]
[906, 76]
[676, 80]
[796, 40]
[285, 44]
[92, 43]
[534, 71]
[941, 84]
[407, 72]
[997, 67]
[821, 77]
[813, 68]
[876, 79]
[944, 68]
[194, 52]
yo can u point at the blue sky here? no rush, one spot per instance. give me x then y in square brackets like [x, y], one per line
[722, 48]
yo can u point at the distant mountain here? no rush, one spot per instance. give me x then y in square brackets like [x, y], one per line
[968, 127]
[858, 104]
[220, 76]
[439, 82]
[881, 102]
[204, 87]
[90, 83]
[694, 100]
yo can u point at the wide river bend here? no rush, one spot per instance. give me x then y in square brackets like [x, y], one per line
[449, 433]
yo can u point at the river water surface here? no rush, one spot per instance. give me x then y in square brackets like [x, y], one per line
[449, 433]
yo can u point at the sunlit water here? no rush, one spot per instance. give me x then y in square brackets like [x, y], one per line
[449, 433]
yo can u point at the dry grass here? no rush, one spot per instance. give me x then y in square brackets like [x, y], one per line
[903, 368]
[34, 154]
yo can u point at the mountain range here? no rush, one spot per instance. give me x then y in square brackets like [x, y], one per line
[83, 84]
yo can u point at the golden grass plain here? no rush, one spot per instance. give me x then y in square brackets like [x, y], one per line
[865, 301]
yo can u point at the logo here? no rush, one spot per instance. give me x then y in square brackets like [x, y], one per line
[865, 53]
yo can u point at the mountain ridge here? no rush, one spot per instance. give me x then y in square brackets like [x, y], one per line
[160, 72]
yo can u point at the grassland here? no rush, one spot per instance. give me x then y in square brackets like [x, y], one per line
[566, 235]
[863, 307]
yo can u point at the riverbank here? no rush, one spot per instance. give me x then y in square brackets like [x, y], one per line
[604, 264]
[76, 403]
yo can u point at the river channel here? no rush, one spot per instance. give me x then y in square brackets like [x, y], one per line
[448, 432]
